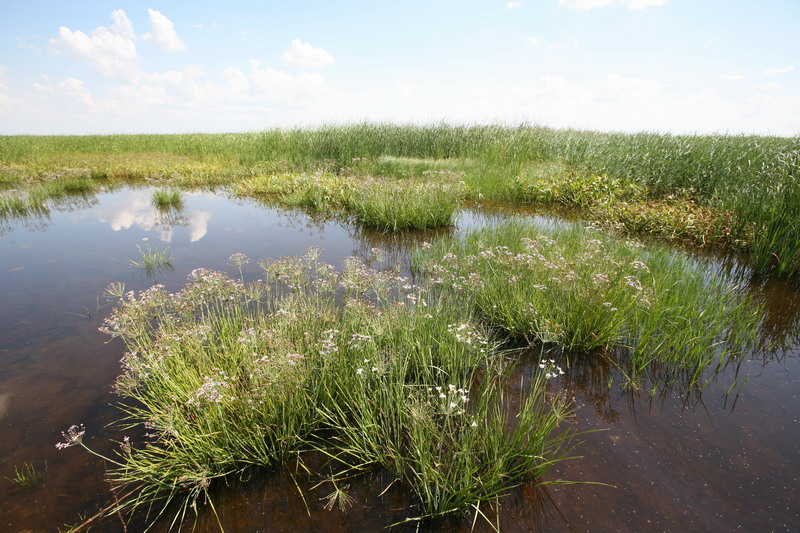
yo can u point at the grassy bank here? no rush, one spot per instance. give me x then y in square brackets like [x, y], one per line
[739, 191]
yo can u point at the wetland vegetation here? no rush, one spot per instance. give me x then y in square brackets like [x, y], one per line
[439, 371]
[738, 192]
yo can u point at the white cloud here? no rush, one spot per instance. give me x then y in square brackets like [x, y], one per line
[643, 4]
[779, 70]
[22, 44]
[198, 225]
[513, 5]
[111, 52]
[591, 4]
[627, 89]
[572, 42]
[770, 86]
[585, 4]
[3, 78]
[730, 76]
[269, 84]
[534, 40]
[162, 33]
[122, 24]
[304, 55]
[77, 91]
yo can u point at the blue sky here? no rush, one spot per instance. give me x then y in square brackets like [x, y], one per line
[681, 66]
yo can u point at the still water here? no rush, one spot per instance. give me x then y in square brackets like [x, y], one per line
[676, 461]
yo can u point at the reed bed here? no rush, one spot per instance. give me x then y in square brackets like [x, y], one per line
[751, 181]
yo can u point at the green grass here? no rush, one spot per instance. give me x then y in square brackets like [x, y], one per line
[26, 477]
[152, 260]
[749, 183]
[647, 309]
[390, 205]
[25, 203]
[385, 204]
[359, 365]
[167, 199]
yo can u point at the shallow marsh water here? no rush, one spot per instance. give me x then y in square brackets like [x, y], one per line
[676, 461]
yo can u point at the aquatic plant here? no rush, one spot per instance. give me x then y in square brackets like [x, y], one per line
[317, 191]
[361, 364]
[581, 290]
[167, 199]
[27, 477]
[152, 260]
[398, 205]
[385, 204]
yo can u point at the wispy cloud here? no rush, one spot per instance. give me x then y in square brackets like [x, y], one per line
[556, 44]
[770, 86]
[730, 76]
[513, 5]
[304, 55]
[643, 4]
[630, 4]
[162, 33]
[585, 4]
[22, 44]
[122, 24]
[779, 70]
[572, 42]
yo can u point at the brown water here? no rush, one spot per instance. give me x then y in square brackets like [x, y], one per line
[678, 461]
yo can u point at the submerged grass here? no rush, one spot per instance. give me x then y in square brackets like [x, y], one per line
[26, 477]
[359, 364]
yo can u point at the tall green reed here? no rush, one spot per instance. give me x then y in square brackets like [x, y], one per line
[751, 176]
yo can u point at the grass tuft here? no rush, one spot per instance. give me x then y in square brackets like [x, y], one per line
[647, 309]
[152, 260]
[27, 477]
[360, 364]
[167, 199]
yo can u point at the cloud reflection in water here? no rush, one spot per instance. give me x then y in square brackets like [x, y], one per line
[134, 209]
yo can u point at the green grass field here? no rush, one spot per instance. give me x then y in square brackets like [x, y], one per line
[713, 190]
